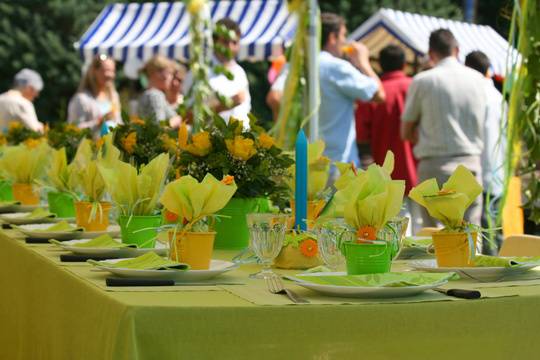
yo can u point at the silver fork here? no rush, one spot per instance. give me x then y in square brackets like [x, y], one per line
[275, 286]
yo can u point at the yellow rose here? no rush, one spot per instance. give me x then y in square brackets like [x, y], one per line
[266, 141]
[137, 121]
[241, 147]
[129, 142]
[194, 6]
[200, 144]
[182, 136]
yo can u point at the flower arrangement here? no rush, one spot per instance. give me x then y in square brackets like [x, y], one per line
[260, 169]
[67, 136]
[135, 191]
[18, 133]
[139, 141]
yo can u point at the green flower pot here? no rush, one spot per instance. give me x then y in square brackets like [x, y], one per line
[62, 204]
[139, 230]
[367, 258]
[232, 232]
[6, 191]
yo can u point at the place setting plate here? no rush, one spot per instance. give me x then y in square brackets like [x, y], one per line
[33, 231]
[217, 267]
[20, 218]
[360, 291]
[124, 252]
[13, 208]
[483, 274]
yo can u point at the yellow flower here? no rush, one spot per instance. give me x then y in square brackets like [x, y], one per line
[32, 143]
[200, 145]
[266, 141]
[241, 147]
[99, 143]
[137, 121]
[182, 136]
[14, 125]
[168, 143]
[194, 6]
[129, 142]
[3, 140]
[71, 127]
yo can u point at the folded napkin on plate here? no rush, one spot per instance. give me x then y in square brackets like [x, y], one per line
[103, 241]
[380, 280]
[39, 213]
[8, 203]
[417, 241]
[148, 261]
[61, 226]
[495, 261]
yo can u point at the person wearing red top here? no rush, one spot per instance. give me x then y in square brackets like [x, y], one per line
[378, 125]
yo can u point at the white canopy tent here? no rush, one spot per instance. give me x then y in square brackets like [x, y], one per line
[411, 31]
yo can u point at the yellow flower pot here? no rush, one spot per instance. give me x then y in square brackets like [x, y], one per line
[98, 222]
[192, 248]
[25, 193]
[452, 249]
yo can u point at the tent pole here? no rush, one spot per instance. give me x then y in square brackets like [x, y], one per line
[313, 69]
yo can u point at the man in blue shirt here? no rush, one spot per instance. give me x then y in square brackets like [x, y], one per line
[342, 82]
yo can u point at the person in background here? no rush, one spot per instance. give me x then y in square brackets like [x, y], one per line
[237, 88]
[153, 102]
[493, 153]
[16, 104]
[96, 105]
[274, 95]
[444, 117]
[175, 92]
[378, 125]
[341, 83]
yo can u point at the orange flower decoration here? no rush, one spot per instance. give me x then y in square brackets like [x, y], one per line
[308, 248]
[170, 216]
[366, 233]
[228, 180]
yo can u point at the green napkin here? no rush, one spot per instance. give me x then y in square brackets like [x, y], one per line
[417, 242]
[495, 261]
[103, 241]
[397, 279]
[39, 213]
[148, 261]
[61, 226]
[8, 203]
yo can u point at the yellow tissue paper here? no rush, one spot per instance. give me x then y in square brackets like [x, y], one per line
[318, 170]
[135, 192]
[193, 200]
[60, 174]
[85, 167]
[24, 164]
[448, 204]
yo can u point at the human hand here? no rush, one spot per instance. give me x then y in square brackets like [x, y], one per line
[358, 53]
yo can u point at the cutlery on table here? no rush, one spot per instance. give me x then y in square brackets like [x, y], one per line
[114, 281]
[275, 286]
[460, 293]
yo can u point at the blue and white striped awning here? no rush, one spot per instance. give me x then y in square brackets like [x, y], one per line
[412, 30]
[135, 32]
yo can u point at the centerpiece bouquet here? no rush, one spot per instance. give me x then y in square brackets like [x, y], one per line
[23, 165]
[67, 136]
[196, 203]
[92, 213]
[455, 244]
[17, 133]
[135, 192]
[367, 203]
[259, 167]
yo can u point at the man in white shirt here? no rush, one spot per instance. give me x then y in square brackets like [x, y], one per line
[494, 147]
[237, 87]
[444, 117]
[16, 104]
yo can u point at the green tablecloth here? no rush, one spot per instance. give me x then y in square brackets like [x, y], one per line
[54, 311]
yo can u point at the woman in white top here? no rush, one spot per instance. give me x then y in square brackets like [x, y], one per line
[96, 104]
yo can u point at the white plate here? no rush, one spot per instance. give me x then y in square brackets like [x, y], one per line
[362, 291]
[19, 218]
[160, 249]
[474, 273]
[217, 267]
[20, 208]
[30, 230]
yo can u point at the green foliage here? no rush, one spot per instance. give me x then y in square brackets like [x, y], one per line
[67, 136]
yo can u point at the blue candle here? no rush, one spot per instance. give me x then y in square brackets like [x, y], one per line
[301, 185]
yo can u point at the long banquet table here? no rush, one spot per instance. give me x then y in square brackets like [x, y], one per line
[53, 310]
